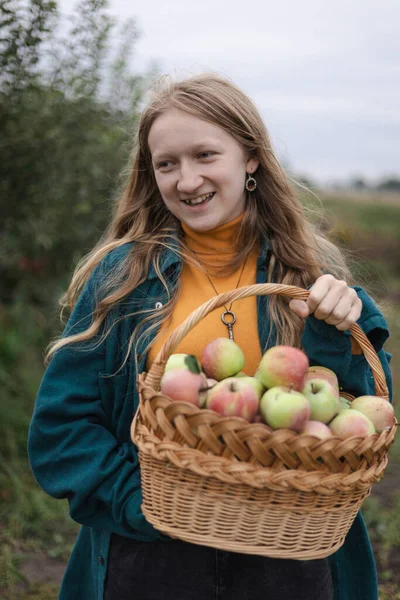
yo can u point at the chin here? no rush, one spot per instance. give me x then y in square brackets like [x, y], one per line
[203, 225]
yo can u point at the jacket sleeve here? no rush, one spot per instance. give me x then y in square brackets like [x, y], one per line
[327, 346]
[72, 452]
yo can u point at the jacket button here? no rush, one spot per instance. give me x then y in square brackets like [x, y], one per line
[101, 561]
[158, 305]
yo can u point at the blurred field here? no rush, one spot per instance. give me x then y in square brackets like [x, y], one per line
[36, 533]
[368, 226]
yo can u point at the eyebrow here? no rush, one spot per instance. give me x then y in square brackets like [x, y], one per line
[199, 146]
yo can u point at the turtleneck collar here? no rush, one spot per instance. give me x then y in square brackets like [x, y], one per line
[217, 241]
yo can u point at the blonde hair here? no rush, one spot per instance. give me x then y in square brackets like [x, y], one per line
[298, 253]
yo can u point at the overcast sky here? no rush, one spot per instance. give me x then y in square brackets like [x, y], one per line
[325, 75]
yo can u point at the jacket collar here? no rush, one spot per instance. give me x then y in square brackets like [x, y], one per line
[170, 258]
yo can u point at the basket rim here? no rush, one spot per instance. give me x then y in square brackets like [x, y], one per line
[194, 409]
[234, 470]
[145, 445]
[323, 482]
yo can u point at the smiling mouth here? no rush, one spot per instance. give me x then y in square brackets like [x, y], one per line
[200, 200]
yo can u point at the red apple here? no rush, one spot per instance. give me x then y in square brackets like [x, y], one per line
[318, 372]
[284, 408]
[184, 386]
[283, 366]
[351, 423]
[378, 410]
[222, 358]
[318, 429]
[233, 397]
[256, 383]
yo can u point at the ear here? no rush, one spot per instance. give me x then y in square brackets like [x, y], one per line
[252, 165]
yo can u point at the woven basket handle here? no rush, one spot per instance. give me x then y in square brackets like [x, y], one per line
[260, 289]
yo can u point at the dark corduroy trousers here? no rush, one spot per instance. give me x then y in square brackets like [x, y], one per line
[176, 570]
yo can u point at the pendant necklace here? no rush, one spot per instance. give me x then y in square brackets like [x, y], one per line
[228, 312]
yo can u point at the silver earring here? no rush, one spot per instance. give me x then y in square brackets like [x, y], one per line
[251, 183]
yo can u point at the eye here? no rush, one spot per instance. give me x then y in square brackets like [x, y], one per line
[164, 165]
[206, 154]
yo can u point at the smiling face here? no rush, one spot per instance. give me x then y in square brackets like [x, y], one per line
[200, 169]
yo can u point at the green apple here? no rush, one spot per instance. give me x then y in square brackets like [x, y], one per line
[183, 361]
[323, 400]
[222, 358]
[285, 408]
[344, 403]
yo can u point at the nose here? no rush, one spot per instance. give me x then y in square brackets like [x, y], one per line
[189, 179]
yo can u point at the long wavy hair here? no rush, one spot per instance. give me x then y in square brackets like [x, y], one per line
[299, 254]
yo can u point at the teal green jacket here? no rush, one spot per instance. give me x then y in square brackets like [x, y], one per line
[79, 438]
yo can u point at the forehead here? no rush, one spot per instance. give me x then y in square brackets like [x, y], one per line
[178, 129]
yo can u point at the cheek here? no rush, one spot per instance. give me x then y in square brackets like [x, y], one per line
[226, 175]
[165, 185]
[235, 179]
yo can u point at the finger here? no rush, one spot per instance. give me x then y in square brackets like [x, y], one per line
[340, 311]
[337, 302]
[299, 307]
[344, 305]
[319, 291]
[335, 293]
[352, 317]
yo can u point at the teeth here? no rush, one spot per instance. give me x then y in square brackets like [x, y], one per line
[199, 200]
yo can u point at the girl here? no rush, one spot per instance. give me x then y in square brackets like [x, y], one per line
[207, 208]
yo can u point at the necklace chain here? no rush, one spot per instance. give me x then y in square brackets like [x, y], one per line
[228, 311]
[237, 285]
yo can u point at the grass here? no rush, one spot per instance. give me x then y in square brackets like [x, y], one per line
[373, 219]
[370, 232]
[382, 509]
[27, 515]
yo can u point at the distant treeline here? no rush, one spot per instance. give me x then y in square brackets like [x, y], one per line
[390, 184]
[386, 184]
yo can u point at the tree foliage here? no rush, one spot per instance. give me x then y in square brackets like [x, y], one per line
[68, 110]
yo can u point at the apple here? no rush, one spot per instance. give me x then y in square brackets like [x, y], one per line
[318, 372]
[344, 403]
[283, 366]
[210, 385]
[378, 410]
[283, 407]
[320, 430]
[222, 358]
[256, 383]
[182, 385]
[183, 361]
[351, 423]
[234, 397]
[323, 400]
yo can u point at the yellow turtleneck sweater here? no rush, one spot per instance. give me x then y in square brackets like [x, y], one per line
[197, 289]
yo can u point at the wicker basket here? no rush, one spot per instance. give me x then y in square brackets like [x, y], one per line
[223, 482]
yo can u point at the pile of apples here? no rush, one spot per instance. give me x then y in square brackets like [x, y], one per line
[285, 391]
